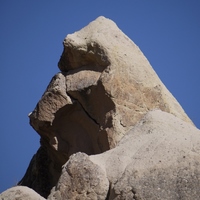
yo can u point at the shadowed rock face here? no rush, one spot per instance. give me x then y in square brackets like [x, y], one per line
[106, 85]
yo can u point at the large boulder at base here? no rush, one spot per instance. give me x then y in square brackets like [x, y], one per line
[81, 179]
[20, 193]
[158, 159]
[106, 85]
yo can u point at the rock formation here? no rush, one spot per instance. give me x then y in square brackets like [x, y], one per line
[157, 159]
[105, 88]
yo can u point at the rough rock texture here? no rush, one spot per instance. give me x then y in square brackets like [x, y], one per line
[158, 159]
[106, 85]
[81, 179]
[20, 193]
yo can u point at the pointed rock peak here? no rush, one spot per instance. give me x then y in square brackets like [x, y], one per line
[87, 46]
[105, 87]
[101, 23]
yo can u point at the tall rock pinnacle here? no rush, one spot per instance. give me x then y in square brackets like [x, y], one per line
[105, 87]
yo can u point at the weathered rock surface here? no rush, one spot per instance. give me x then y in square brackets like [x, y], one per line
[158, 159]
[106, 85]
[20, 193]
[81, 179]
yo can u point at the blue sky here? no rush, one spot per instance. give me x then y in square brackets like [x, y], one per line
[167, 32]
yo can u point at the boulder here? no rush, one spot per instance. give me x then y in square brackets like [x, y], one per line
[158, 159]
[106, 85]
[81, 179]
[20, 192]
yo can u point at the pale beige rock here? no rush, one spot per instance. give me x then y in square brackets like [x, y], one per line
[158, 159]
[106, 85]
[122, 73]
[20, 193]
[108, 79]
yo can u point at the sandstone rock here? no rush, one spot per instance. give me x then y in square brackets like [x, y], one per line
[21, 193]
[106, 85]
[158, 159]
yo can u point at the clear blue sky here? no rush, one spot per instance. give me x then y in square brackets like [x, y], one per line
[168, 33]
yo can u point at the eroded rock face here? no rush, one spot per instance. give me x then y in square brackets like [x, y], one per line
[106, 85]
[158, 159]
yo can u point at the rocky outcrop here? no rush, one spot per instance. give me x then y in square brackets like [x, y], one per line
[105, 87]
[158, 159]
[20, 192]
